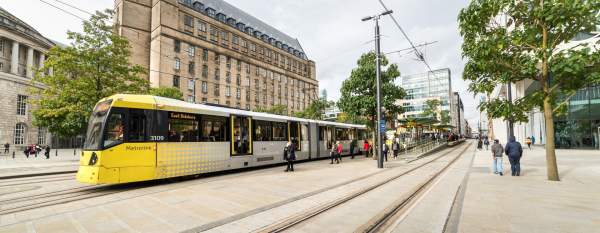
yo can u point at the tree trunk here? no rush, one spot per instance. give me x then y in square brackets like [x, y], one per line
[550, 147]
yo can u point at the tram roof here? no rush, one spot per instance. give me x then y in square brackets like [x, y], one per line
[162, 103]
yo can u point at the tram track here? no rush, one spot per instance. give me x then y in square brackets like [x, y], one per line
[380, 221]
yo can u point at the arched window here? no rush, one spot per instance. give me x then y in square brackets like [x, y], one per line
[19, 136]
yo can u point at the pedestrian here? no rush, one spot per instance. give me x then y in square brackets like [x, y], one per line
[352, 145]
[385, 150]
[395, 147]
[366, 148]
[514, 151]
[528, 142]
[333, 153]
[26, 151]
[47, 152]
[38, 149]
[486, 142]
[6, 148]
[479, 144]
[497, 152]
[289, 154]
[532, 140]
[339, 151]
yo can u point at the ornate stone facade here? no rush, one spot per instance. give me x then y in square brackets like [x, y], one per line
[22, 51]
[216, 53]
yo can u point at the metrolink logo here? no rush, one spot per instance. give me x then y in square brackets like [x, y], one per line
[135, 148]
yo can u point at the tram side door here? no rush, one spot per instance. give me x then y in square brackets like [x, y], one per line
[294, 134]
[241, 136]
[330, 137]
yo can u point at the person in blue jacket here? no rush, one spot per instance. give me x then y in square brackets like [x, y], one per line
[514, 151]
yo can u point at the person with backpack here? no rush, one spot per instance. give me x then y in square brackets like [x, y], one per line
[497, 152]
[289, 155]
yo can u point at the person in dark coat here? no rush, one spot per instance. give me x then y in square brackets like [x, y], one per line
[290, 156]
[6, 148]
[352, 145]
[26, 151]
[514, 151]
[479, 144]
[486, 142]
[47, 151]
[395, 147]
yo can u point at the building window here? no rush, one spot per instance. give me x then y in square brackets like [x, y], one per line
[238, 79]
[244, 44]
[228, 62]
[217, 59]
[204, 87]
[177, 45]
[41, 140]
[191, 67]
[192, 50]
[239, 66]
[216, 101]
[228, 77]
[188, 21]
[247, 68]
[227, 91]
[191, 99]
[176, 81]
[217, 74]
[205, 54]
[213, 34]
[204, 71]
[191, 85]
[238, 93]
[248, 95]
[21, 105]
[252, 47]
[225, 35]
[217, 90]
[19, 138]
[177, 64]
[235, 39]
[201, 26]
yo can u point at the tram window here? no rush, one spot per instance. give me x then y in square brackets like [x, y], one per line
[214, 129]
[183, 127]
[322, 131]
[241, 135]
[114, 129]
[136, 126]
[263, 131]
[341, 134]
[279, 131]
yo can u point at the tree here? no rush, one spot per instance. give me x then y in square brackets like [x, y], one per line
[315, 110]
[358, 98]
[278, 109]
[431, 108]
[94, 66]
[508, 41]
[169, 92]
[445, 117]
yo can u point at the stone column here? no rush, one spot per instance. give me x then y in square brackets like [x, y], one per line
[29, 67]
[14, 61]
[41, 62]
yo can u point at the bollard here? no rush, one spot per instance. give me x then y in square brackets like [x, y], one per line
[73, 152]
[13, 154]
[56, 153]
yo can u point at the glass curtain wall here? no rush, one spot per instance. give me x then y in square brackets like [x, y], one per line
[579, 127]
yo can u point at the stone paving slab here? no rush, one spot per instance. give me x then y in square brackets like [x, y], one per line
[530, 203]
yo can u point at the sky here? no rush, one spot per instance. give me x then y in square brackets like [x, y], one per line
[330, 31]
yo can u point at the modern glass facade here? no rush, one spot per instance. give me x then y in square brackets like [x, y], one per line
[580, 126]
[424, 86]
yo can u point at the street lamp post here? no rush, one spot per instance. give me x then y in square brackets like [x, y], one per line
[378, 77]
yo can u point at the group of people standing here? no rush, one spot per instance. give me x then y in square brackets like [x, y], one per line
[32, 149]
[514, 152]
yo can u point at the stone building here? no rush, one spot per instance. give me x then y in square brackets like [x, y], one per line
[216, 53]
[22, 51]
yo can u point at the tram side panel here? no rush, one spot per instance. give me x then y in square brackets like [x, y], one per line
[189, 158]
[314, 148]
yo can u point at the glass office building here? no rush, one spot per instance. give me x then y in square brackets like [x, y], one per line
[579, 126]
[424, 86]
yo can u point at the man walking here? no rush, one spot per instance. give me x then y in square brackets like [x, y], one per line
[486, 142]
[47, 152]
[6, 148]
[340, 149]
[497, 152]
[366, 148]
[289, 154]
[514, 151]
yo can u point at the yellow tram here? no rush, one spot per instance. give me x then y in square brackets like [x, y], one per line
[133, 138]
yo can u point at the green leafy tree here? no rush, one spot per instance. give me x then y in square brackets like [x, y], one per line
[94, 66]
[445, 117]
[507, 41]
[169, 92]
[358, 98]
[315, 110]
[278, 109]
[431, 108]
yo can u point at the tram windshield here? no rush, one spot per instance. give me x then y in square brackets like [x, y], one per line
[93, 137]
